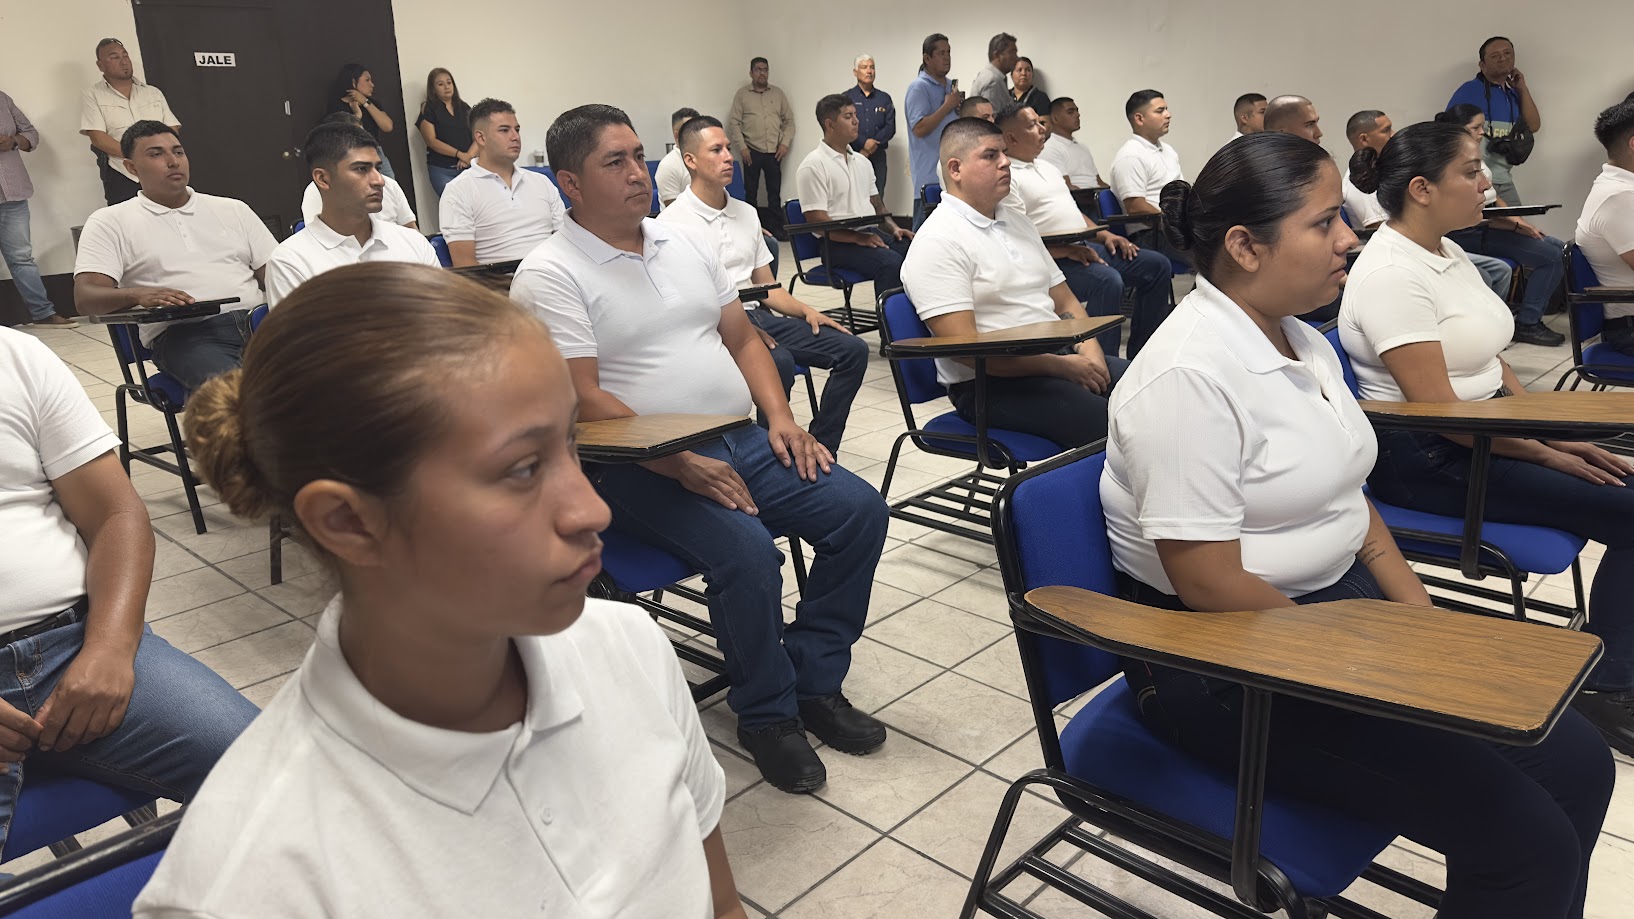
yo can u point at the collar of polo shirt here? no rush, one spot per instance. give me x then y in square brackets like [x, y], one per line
[601, 252]
[188, 207]
[330, 239]
[1397, 242]
[1242, 338]
[976, 218]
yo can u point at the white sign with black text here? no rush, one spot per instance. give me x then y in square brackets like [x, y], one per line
[215, 59]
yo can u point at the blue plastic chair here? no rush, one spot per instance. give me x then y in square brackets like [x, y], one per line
[1109, 769]
[736, 187]
[162, 392]
[53, 807]
[961, 505]
[550, 174]
[1598, 364]
[1508, 550]
[1112, 207]
[440, 246]
[931, 194]
[299, 226]
[652, 174]
[100, 882]
[807, 247]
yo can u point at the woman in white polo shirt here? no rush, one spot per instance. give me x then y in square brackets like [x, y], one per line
[468, 736]
[1233, 481]
[1420, 326]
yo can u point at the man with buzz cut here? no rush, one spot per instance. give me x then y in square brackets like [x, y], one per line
[1063, 151]
[346, 168]
[1143, 165]
[1249, 114]
[672, 176]
[837, 183]
[795, 332]
[649, 323]
[493, 211]
[976, 107]
[1294, 115]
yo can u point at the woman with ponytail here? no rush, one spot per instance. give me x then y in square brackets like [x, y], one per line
[1234, 471]
[468, 736]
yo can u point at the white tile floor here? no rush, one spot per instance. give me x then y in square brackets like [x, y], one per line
[895, 834]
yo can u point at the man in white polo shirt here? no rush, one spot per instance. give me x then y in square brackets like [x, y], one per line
[1143, 165]
[796, 333]
[109, 107]
[1605, 232]
[1249, 114]
[170, 246]
[979, 265]
[1063, 152]
[394, 205]
[1097, 270]
[837, 183]
[649, 323]
[346, 168]
[493, 211]
[672, 176]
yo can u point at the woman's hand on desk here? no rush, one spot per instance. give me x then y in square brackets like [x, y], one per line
[1587, 461]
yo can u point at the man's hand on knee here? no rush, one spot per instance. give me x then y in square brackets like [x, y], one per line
[90, 700]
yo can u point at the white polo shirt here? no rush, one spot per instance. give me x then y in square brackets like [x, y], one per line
[651, 321]
[208, 248]
[672, 176]
[735, 231]
[1399, 293]
[1141, 169]
[394, 205]
[840, 182]
[1606, 230]
[505, 223]
[1039, 189]
[1072, 158]
[1215, 436]
[998, 269]
[317, 249]
[596, 803]
[48, 428]
[103, 108]
[1364, 209]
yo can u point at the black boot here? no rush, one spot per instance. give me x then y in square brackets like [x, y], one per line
[785, 757]
[1612, 713]
[840, 725]
[1538, 334]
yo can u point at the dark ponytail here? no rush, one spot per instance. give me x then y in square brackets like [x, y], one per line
[1255, 182]
[1424, 149]
[1461, 114]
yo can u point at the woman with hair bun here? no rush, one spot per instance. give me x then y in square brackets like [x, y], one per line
[1234, 471]
[468, 736]
[1420, 326]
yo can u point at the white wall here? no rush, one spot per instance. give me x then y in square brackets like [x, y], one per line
[49, 59]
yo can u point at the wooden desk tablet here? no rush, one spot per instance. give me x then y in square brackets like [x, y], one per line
[647, 437]
[138, 315]
[1032, 338]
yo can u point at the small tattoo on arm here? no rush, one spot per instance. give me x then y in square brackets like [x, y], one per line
[1369, 553]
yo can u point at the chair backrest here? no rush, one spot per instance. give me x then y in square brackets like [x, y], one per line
[1110, 205]
[932, 193]
[652, 173]
[299, 226]
[99, 882]
[1049, 529]
[736, 188]
[1344, 214]
[916, 377]
[1588, 316]
[440, 245]
[805, 245]
[550, 174]
[1332, 335]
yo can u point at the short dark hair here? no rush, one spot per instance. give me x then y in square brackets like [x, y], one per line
[682, 116]
[1424, 149]
[1614, 126]
[1023, 57]
[1363, 121]
[1245, 102]
[105, 43]
[1139, 100]
[694, 126]
[1461, 114]
[1010, 116]
[1283, 112]
[572, 136]
[1481, 56]
[341, 118]
[928, 47]
[1060, 102]
[995, 45]
[830, 106]
[962, 133]
[1253, 182]
[487, 109]
[141, 129]
[759, 60]
[327, 143]
[967, 108]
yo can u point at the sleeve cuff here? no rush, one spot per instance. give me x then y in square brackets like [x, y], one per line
[1409, 338]
[79, 456]
[1155, 528]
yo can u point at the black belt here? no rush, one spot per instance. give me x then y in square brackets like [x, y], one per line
[69, 616]
[1617, 323]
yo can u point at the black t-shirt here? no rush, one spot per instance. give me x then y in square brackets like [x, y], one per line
[453, 130]
[1036, 100]
[341, 105]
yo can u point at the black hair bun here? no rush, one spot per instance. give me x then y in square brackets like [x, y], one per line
[1364, 170]
[1175, 202]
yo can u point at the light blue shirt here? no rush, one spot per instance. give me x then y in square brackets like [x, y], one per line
[924, 97]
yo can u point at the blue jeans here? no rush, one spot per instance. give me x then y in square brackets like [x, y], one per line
[385, 164]
[840, 516]
[1100, 288]
[882, 265]
[1430, 473]
[1540, 257]
[1055, 409]
[844, 356]
[1495, 272]
[181, 718]
[441, 176]
[1517, 824]
[17, 248]
[193, 352]
[918, 214]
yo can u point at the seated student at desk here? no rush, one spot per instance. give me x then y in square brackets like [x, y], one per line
[1512, 238]
[1065, 152]
[1420, 326]
[671, 175]
[394, 205]
[1097, 270]
[1605, 231]
[418, 430]
[346, 168]
[979, 265]
[1144, 165]
[1233, 481]
[837, 183]
[649, 323]
[795, 332]
[170, 246]
[495, 211]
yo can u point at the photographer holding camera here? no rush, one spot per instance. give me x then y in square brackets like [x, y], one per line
[1501, 93]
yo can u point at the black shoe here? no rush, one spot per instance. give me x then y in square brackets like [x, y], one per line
[784, 757]
[840, 725]
[1538, 334]
[1612, 713]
